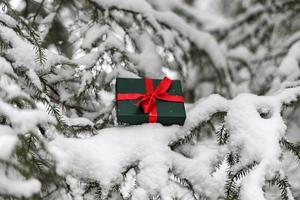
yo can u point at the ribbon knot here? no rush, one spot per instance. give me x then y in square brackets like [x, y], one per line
[148, 100]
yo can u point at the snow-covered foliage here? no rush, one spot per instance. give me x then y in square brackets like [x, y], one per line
[239, 66]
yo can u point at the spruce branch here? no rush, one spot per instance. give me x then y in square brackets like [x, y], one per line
[22, 102]
[39, 9]
[282, 184]
[3, 46]
[185, 183]
[223, 135]
[232, 159]
[231, 187]
[195, 131]
[293, 148]
[93, 187]
[32, 36]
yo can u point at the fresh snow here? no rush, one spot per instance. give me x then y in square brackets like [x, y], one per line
[78, 121]
[5, 67]
[202, 40]
[23, 54]
[289, 67]
[108, 50]
[17, 187]
[8, 141]
[105, 156]
[8, 20]
[94, 33]
[148, 55]
[21, 121]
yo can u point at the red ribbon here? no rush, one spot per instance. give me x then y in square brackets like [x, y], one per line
[148, 100]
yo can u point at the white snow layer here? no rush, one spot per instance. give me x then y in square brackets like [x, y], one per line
[202, 40]
[8, 20]
[5, 67]
[17, 187]
[105, 156]
[94, 33]
[148, 60]
[21, 121]
[257, 138]
[289, 67]
[78, 121]
[23, 54]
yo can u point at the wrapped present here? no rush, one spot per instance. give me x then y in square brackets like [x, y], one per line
[149, 101]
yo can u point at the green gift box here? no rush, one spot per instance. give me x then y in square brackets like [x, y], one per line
[149, 101]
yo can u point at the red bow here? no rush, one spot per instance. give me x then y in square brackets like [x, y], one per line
[148, 100]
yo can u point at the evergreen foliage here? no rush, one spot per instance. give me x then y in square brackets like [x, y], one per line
[59, 60]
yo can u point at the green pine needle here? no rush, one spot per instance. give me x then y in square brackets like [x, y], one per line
[282, 184]
[293, 148]
[222, 135]
[231, 187]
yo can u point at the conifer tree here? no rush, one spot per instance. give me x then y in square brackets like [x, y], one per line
[239, 67]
